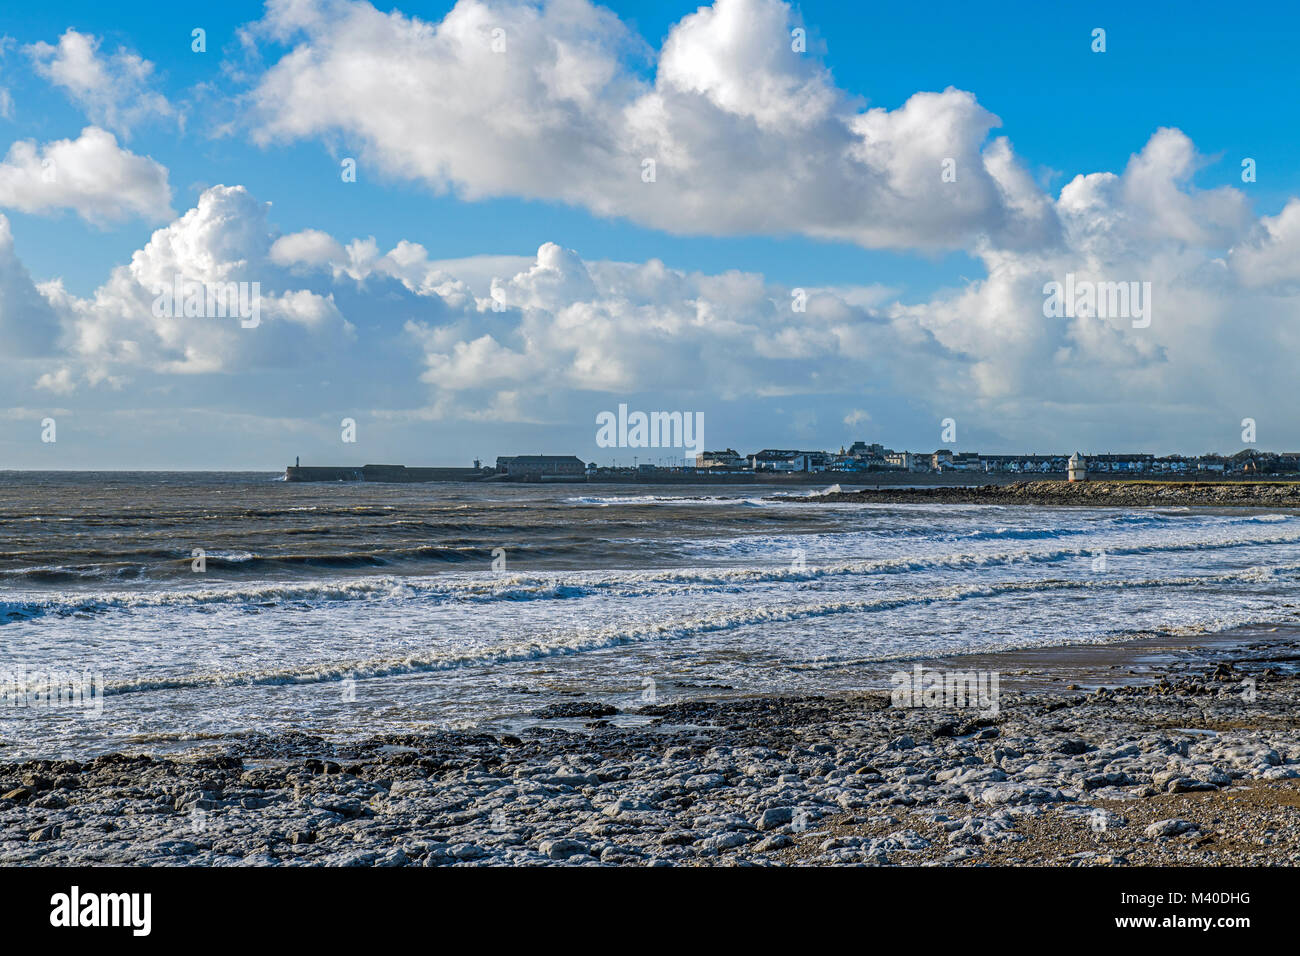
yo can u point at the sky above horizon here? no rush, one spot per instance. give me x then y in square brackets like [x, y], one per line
[813, 223]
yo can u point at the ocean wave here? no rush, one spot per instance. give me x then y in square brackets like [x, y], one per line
[606, 500]
[588, 640]
[794, 496]
[1024, 534]
[785, 545]
[568, 585]
[120, 566]
[1216, 623]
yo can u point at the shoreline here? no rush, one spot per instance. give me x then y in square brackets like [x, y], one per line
[1133, 661]
[1132, 493]
[1169, 763]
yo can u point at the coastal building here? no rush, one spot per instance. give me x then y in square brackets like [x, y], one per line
[852, 463]
[729, 459]
[1122, 464]
[903, 460]
[1172, 465]
[778, 459]
[729, 465]
[860, 449]
[790, 460]
[816, 460]
[542, 467]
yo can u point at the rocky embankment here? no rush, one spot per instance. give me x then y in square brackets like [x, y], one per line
[1260, 494]
[1200, 768]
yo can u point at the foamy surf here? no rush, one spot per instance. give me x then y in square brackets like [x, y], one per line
[485, 587]
[582, 641]
[322, 605]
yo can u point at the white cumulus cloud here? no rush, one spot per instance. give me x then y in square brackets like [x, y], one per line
[549, 101]
[91, 175]
[114, 90]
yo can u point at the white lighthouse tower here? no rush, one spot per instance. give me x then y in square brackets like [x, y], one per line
[1078, 468]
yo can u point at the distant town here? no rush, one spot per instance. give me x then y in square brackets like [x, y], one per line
[864, 457]
[862, 461]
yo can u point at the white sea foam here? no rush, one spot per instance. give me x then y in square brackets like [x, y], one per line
[589, 639]
[607, 500]
[789, 597]
[482, 587]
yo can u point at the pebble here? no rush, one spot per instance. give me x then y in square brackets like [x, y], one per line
[845, 780]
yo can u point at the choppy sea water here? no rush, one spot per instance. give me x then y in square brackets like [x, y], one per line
[345, 610]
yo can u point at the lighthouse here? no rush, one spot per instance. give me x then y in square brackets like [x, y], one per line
[1078, 468]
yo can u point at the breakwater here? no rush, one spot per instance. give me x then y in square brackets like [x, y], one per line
[389, 473]
[1272, 494]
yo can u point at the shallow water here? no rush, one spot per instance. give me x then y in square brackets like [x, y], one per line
[352, 609]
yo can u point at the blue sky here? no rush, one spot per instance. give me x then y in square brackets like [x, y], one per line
[1203, 67]
[1221, 76]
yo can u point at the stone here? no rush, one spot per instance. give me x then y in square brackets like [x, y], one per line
[575, 709]
[563, 849]
[775, 817]
[1072, 747]
[45, 834]
[1167, 828]
[626, 805]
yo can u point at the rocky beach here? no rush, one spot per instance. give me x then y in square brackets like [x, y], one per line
[1190, 759]
[332, 690]
[1122, 494]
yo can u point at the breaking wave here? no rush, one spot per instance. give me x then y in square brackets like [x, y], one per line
[586, 640]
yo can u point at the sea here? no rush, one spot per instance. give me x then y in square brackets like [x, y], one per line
[197, 608]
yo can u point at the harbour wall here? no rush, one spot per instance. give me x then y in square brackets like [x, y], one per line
[398, 474]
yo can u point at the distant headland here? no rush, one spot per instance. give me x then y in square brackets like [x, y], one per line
[859, 464]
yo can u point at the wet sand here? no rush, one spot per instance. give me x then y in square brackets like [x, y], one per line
[1133, 661]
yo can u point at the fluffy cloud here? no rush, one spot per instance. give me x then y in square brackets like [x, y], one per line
[548, 102]
[555, 334]
[748, 138]
[1221, 330]
[92, 176]
[500, 338]
[550, 337]
[114, 91]
[122, 330]
[1269, 257]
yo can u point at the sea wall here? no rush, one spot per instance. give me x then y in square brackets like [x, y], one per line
[390, 473]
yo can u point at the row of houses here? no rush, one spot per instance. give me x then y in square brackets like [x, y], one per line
[861, 456]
